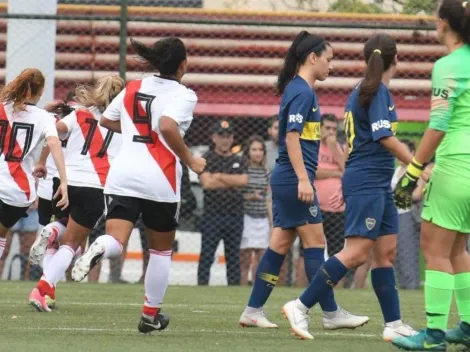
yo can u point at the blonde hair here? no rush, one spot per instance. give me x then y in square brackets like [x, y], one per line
[29, 84]
[101, 94]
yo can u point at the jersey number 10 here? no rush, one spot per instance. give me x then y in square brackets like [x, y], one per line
[12, 148]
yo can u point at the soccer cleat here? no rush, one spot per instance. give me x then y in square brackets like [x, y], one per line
[38, 301]
[422, 341]
[459, 335]
[158, 323]
[87, 261]
[256, 319]
[396, 329]
[342, 319]
[298, 319]
[48, 235]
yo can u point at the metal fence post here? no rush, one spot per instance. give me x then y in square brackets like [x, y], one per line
[123, 39]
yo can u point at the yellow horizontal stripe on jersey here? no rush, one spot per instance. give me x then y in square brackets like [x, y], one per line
[311, 131]
[394, 127]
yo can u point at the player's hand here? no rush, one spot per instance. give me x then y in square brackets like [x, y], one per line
[404, 191]
[336, 201]
[305, 190]
[63, 203]
[40, 171]
[197, 164]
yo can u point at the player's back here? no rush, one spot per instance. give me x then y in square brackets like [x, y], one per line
[370, 166]
[145, 166]
[22, 137]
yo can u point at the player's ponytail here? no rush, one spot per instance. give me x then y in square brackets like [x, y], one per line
[101, 94]
[164, 56]
[59, 109]
[379, 52]
[457, 14]
[26, 87]
[303, 44]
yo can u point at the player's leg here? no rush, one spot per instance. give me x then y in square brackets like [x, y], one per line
[9, 215]
[255, 259]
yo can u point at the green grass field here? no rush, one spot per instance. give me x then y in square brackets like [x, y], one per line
[104, 318]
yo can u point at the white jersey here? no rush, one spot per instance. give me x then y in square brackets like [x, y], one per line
[146, 167]
[90, 148]
[22, 137]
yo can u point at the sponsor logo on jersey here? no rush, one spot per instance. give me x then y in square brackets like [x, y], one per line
[391, 108]
[315, 109]
[296, 118]
[438, 92]
[380, 124]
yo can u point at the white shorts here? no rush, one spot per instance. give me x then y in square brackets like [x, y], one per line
[255, 233]
[45, 188]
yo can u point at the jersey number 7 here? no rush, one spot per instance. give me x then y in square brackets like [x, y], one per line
[13, 150]
[89, 138]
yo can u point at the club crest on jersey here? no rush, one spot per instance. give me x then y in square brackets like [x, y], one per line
[314, 211]
[370, 223]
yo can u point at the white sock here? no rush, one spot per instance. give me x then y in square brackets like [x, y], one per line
[47, 257]
[112, 247]
[78, 254]
[58, 228]
[58, 265]
[156, 277]
[3, 242]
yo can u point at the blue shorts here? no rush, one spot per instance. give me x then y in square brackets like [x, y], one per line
[289, 212]
[370, 215]
[28, 224]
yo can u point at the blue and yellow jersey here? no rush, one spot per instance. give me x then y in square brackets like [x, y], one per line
[370, 166]
[299, 112]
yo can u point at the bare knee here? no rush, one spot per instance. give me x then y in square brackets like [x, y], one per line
[282, 240]
[356, 252]
[384, 258]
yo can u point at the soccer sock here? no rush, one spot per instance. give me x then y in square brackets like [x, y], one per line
[329, 274]
[3, 242]
[462, 295]
[58, 230]
[313, 259]
[58, 265]
[267, 275]
[156, 280]
[438, 291]
[383, 281]
[112, 247]
[47, 257]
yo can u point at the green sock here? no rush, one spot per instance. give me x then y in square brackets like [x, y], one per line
[462, 295]
[438, 297]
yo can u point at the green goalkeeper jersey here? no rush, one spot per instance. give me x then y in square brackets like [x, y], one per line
[450, 111]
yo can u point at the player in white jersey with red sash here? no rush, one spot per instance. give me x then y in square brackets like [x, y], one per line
[90, 150]
[153, 115]
[23, 130]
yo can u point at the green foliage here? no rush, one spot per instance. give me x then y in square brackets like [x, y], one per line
[413, 7]
[356, 6]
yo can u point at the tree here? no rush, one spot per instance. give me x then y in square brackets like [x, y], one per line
[354, 6]
[414, 7]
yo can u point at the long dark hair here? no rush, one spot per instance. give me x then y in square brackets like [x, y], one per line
[246, 150]
[457, 14]
[164, 56]
[379, 53]
[303, 44]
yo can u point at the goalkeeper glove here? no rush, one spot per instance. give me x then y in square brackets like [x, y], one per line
[407, 184]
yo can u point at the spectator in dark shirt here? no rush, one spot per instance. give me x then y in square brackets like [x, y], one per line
[222, 218]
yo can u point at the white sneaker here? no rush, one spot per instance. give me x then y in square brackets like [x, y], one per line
[342, 319]
[37, 250]
[397, 329]
[297, 314]
[87, 261]
[256, 319]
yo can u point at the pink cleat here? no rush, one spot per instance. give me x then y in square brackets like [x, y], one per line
[38, 301]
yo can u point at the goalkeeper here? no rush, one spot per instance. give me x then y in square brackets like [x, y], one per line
[446, 209]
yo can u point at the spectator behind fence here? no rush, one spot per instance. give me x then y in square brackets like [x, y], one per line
[271, 145]
[222, 217]
[257, 218]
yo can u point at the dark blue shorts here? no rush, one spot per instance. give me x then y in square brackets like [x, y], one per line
[289, 212]
[370, 215]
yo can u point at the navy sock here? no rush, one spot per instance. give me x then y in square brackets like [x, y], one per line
[267, 275]
[383, 281]
[329, 274]
[313, 259]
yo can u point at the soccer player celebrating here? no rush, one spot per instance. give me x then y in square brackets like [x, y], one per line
[90, 151]
[295, 205]
[371, 216]
[153, 115]
[446, 209]
[23, 130]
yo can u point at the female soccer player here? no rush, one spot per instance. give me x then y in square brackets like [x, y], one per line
[90, 151]
[23, 130]
[446, 209]
[153, 115]
[295, 205]
[371, 216]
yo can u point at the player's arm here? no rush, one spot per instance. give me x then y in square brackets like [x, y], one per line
[397, 148]
[111, 118]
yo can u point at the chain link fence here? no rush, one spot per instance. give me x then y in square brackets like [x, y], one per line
[234, 56]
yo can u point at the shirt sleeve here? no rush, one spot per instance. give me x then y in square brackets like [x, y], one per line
[70, 121]
[379, 116]
[298, 112]
[181, 108]
[113, 111]
[49, 129]
[443, 97]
